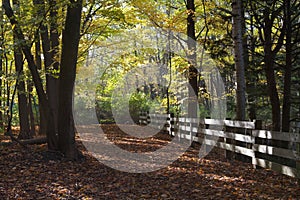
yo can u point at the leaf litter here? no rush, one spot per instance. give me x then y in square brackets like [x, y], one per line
[39, 174]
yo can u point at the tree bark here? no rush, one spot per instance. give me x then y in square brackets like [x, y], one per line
[286, 107]
[70, 42]
[38, 61]
[192, 57]
[272, 89]
[30, 110]
[51, 90]
[269, 60]
[1, 69]
[1, 113]
[239, 58]
[51, 78]
[22, 98]
[34, 71]
[251, 75]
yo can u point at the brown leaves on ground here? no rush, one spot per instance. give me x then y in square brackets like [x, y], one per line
[36, 174]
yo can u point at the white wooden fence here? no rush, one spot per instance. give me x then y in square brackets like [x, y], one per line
[278, 151]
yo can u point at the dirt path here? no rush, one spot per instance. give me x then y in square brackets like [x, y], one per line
[39, 175]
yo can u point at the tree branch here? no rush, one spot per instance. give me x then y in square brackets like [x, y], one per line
[27, 52]
[280, 39]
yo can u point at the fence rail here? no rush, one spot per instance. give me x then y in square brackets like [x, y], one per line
[278, 151]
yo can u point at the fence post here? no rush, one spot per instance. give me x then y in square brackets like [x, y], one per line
[148, 118]
[179, 130]
[258, 126]
[207, 147]
[167, 125]
[298, 162]
[175, 125]
[141, 118]
[205, 126]
[172, 124]
[298, 168]
[191, 132]
[297, 130]
[229, 154]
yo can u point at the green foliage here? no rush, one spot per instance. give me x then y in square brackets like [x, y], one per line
[107, 24]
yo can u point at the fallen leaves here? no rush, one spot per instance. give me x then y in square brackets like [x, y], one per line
[38, 175]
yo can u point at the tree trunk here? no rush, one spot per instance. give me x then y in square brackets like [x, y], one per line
[286, 107]
[70, 42]
[34, 71]
[22, 98]
[1, 113]
[51, 77]
[251, 76]
[269, 60]
[272, 90]
[42, 115]
[239, 58]
[192, 57]
[1, 69]
[30, 110]
[51, 90]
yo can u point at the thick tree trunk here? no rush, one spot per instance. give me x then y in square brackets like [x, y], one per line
[286, 107]
[269, 60]
[272, 90]
[70, 42]
[251, 75]
[1, 62]
[51, 89]
[43, 121]
[1, 113]
[51, 77]
[239, 58]
[22, 98]
[192, 58]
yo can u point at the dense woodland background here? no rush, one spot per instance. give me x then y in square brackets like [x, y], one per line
[43, 43]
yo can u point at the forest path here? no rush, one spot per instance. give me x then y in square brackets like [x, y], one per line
[31, 175]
